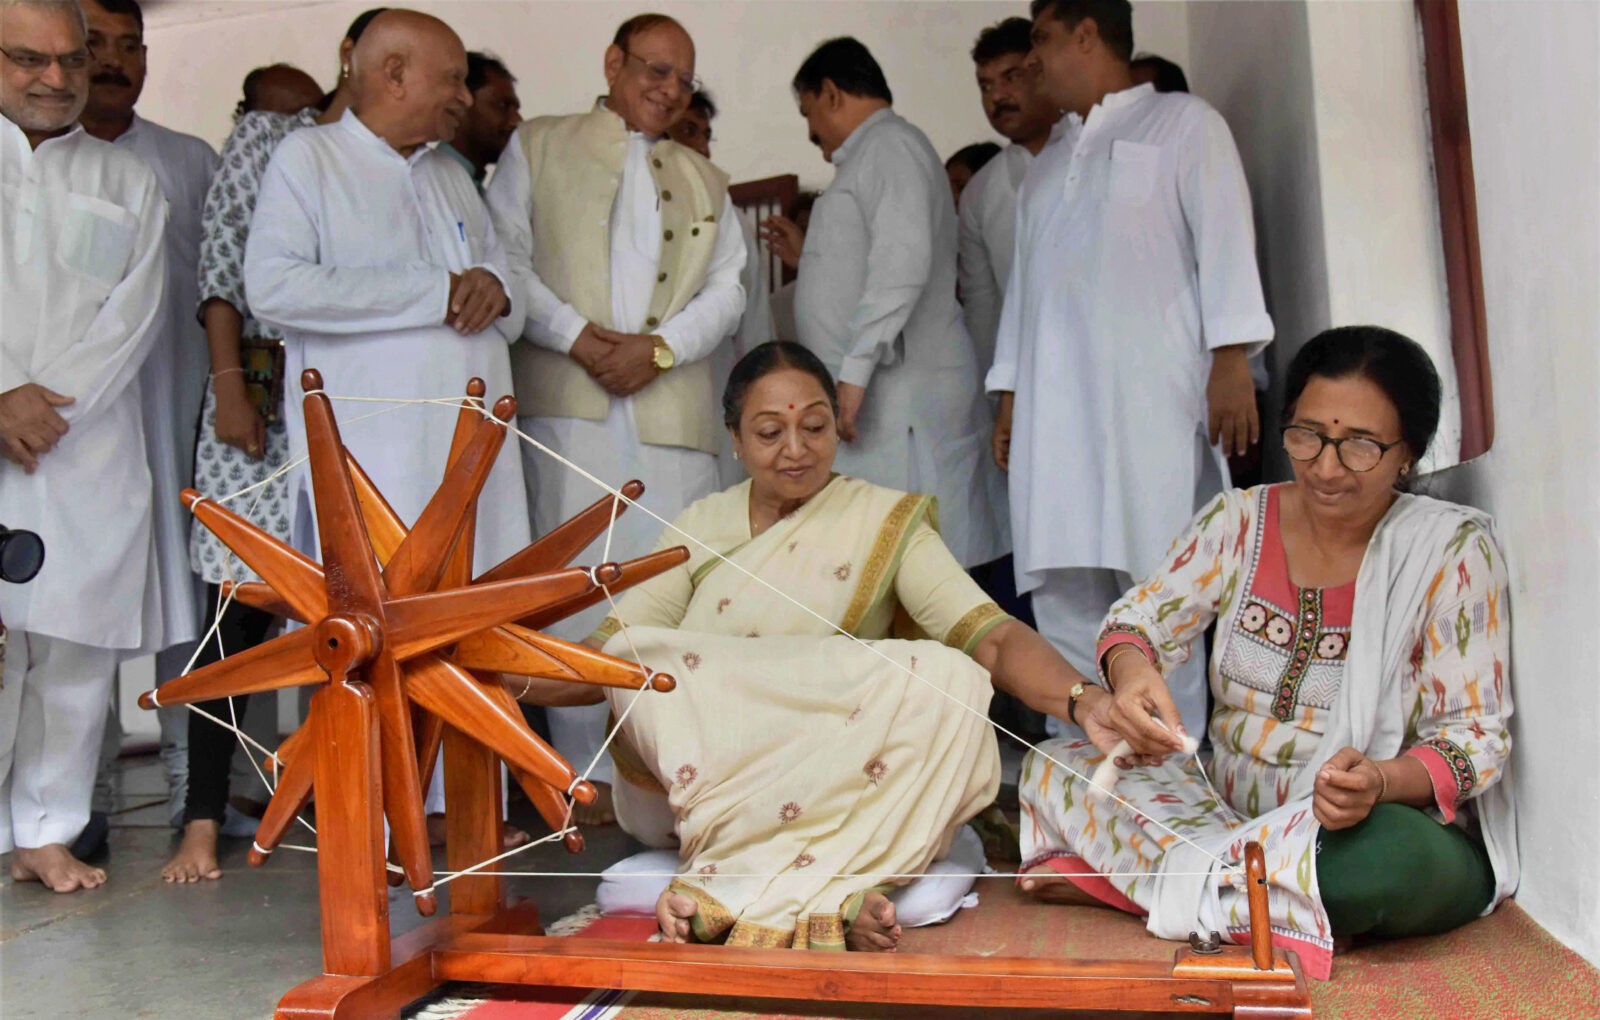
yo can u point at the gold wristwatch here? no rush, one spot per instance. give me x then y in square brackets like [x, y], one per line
[663, 357]
[1072, 701]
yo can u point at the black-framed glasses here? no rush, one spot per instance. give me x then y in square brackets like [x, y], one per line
[658, 71]
[1358, 453]
[35, 62]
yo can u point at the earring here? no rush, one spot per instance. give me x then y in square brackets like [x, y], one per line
[1405, 471]
[736, 455]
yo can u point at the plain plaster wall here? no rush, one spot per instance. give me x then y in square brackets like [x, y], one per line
[1384, 257]
[1275, 129]
[747, 51]
[1328, 108]
[1533, 95]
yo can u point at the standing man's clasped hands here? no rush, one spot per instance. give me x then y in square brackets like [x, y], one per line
[622, 363]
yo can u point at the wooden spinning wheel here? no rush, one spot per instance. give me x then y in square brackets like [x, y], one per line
[408, 647]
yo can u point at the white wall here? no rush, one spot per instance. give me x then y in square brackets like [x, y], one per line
[747, 53]
[1329, 111]
[1533, 92]
[1275, 129]
[1385, 259]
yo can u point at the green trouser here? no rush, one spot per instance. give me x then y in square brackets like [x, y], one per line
[1400, 873]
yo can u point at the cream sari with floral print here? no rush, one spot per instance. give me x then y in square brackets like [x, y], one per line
[803, 768]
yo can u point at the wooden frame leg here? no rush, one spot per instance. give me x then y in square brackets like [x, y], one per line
[350, 858]
[472, 822]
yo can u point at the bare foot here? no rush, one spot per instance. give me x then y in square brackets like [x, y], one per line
[874, 930]
[1049, 886]
[511, 837]
[601, 812]
[673, 913]
[196, 858]
[55, 868]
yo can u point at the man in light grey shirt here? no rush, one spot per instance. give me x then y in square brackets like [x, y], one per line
[876, 301]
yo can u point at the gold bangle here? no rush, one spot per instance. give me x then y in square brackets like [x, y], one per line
[1383, 781]
[527, 685]
[225, 371]
[1111, 657]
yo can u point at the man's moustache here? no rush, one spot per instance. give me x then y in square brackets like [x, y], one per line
[1006, 108]
[110, 78]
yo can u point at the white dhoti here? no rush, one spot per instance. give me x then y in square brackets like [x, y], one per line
[673, 477]
[53, 696]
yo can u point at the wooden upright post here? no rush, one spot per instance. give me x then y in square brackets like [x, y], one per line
[350, 858]
[472, 824]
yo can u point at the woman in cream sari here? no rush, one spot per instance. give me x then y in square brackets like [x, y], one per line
[807, 762]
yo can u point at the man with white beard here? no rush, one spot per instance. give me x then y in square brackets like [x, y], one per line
[80, 296]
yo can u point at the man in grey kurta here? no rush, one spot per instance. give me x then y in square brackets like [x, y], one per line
[876, 301]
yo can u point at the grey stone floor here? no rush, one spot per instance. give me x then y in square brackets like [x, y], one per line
[138, 947]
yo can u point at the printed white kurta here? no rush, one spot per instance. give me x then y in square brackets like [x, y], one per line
[1135, 258]
[876, 301]
[79, 298]
[173, 380]
[220, 469]
[350, 252]
[988, 221]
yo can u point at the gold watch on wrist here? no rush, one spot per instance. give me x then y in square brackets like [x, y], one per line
[663, 358]
[1072, 701]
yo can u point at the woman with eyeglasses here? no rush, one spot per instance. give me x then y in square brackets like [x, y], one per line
[1361, 689]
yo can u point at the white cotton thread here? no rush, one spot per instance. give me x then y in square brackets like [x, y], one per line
[669, 525]
[618, 497]
[446, 877]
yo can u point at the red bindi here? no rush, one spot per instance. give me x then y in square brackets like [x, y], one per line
[791, 407]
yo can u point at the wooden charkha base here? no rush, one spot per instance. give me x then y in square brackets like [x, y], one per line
[407, 648]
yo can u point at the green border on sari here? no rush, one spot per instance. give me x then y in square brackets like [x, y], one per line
[883, 563]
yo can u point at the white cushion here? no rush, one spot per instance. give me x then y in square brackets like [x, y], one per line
[632, 885]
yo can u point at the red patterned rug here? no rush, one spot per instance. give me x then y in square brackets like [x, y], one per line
[1501, 967]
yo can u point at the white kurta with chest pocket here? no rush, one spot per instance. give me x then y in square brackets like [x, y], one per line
[350, 252]
[84, 269]
[1135, 258]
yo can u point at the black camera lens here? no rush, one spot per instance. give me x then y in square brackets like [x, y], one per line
[21, 555]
